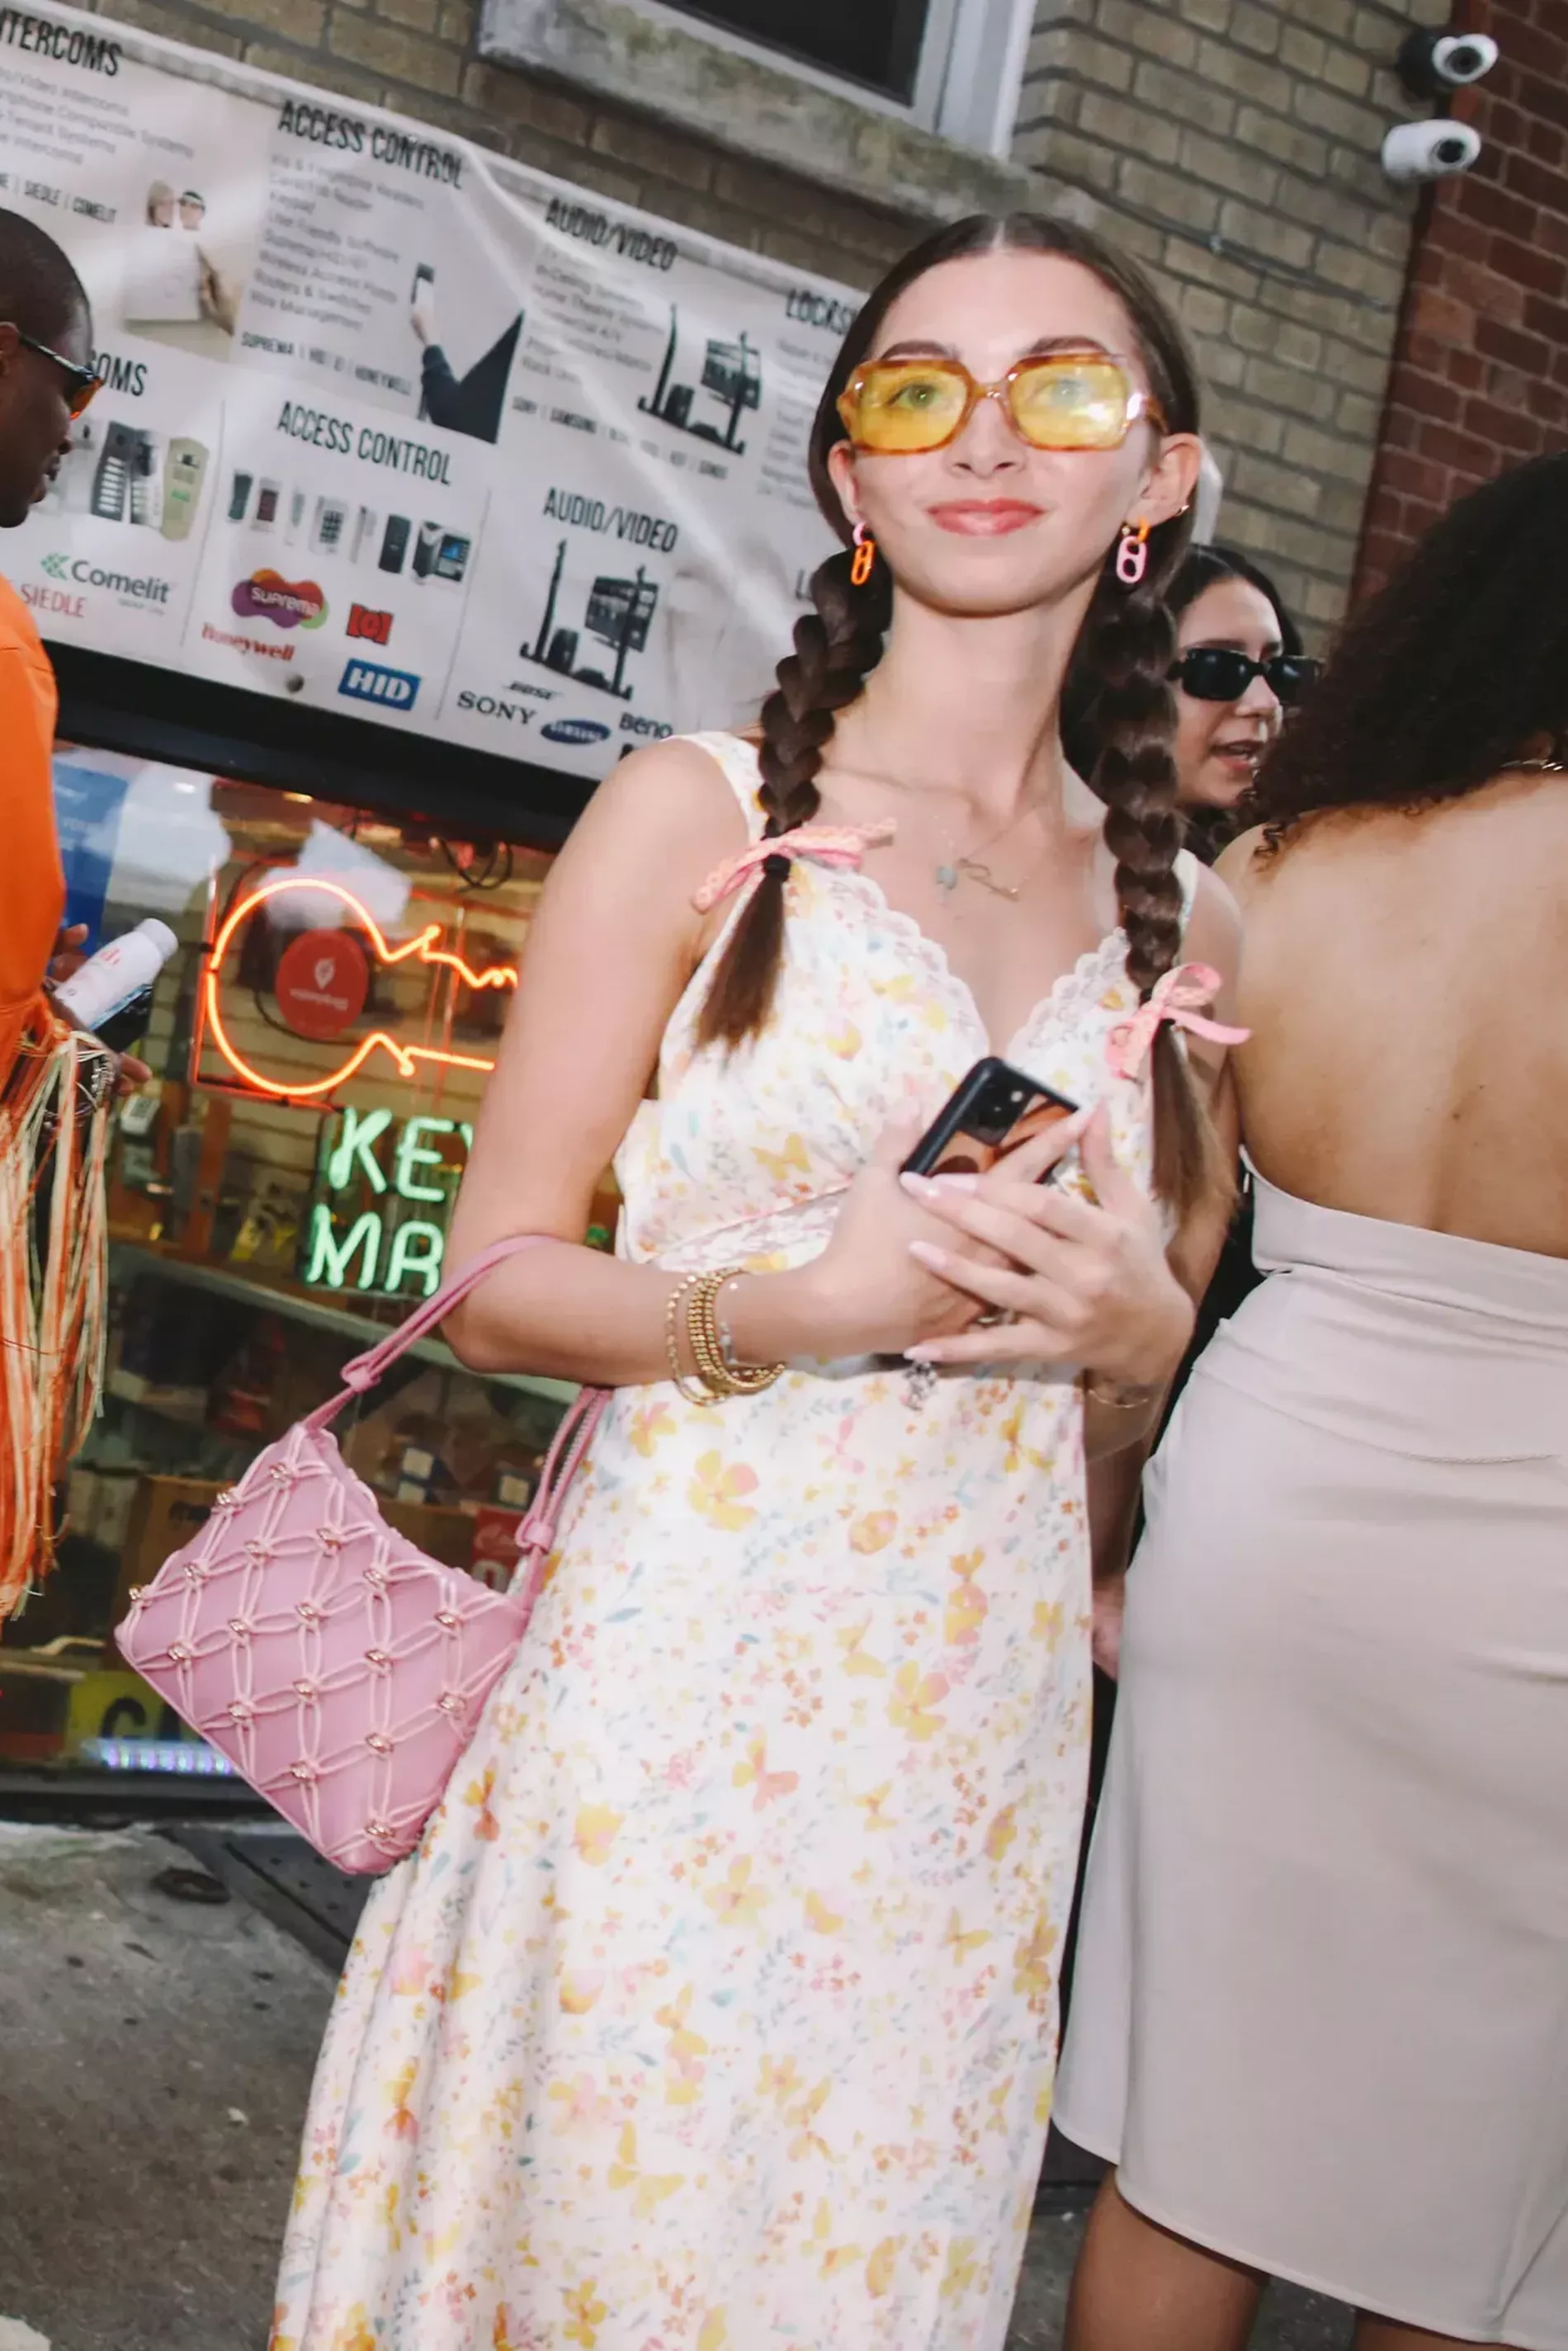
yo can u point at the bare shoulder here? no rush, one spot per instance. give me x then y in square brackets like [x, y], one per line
[1214, 927]
[1237, 865]
[670, 801]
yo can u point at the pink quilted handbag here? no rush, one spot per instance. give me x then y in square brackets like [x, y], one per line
[337, 1668]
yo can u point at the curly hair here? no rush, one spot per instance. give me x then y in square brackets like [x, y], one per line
[1126, 644]
[1446, 677]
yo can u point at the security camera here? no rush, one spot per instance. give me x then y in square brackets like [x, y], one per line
[1429, 151]
[1432, 63]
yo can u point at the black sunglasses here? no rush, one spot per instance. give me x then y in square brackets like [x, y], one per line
[85, 382]
[1220, 674]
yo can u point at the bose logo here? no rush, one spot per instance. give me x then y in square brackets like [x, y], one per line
[394, 688]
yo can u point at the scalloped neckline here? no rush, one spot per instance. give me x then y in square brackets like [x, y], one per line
[1058, 997]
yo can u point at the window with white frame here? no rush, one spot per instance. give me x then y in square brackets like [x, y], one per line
[952, 66]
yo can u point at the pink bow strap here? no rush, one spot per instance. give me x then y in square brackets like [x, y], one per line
[1175, 997]
[828, 844]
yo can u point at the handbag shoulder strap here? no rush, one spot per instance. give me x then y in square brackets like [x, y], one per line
[365, 1370]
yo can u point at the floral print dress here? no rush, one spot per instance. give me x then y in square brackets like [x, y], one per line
[716, 2011]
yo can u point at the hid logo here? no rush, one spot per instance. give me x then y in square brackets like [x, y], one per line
[394, 688]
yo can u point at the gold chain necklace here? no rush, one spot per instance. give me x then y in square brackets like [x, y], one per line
[972, 866]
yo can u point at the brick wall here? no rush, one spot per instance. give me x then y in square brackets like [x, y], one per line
[1480, 375]
[416, 58]
[1234, 146]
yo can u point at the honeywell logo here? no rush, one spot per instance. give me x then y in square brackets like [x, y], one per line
[246, 644]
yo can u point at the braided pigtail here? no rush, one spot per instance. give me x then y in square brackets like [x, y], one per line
[1129, 643]
[835, 647]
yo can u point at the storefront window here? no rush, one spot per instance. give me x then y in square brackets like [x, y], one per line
[278, 1197]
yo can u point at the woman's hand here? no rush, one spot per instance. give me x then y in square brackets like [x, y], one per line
[871, 1292]
[1085, 1281]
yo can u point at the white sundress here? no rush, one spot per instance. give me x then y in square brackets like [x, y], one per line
[716, 2011]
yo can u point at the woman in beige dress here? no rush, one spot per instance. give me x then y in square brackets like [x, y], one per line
[1320, 2021]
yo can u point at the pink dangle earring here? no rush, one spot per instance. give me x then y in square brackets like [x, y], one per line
[865, 556]
[1133, 553]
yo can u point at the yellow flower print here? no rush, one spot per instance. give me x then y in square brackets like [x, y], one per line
[277, 2342]
[872, 1806]
[713, 1491]
[737, 1903]
[780, 1164]
[800, 2118]
[935, 1015]
[1020, 1455]
[915, 1695]
[769, 1785]
[652, 2187]
[583, 2103]
[355, 2333]
[832, 2257]
[962, 2268]
[820, 1918]
[996, 2120]
[596, 1831]
[1031, 1965]
[585, 2311]
[713, 2334]
[873, 1532]
[778, 2082]
[1049, 1616]
[966, 1603]
[402, 2122]
[845, 1042]
[654, 1421]
[855, 1658]
[1000, 1833]
[579, 1990]
[477, 1793]
[683, 2080]
[879, 2270]
[961, 1944]
[462, 1980]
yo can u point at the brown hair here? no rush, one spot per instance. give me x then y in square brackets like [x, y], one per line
[1125, 649]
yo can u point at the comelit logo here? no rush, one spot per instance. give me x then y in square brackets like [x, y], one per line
[394, 689]
[145, 591]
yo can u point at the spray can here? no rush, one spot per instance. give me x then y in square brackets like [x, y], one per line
[119, 975]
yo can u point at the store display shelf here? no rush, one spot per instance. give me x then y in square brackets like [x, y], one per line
[131, 1257]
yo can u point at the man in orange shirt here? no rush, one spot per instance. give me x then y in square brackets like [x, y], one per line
[51, 1281]
[46, 381]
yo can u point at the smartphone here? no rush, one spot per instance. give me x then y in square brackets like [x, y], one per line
[239, 496]
[268, 494]
[994, 1109]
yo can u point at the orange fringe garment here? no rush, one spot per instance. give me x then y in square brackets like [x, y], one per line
[54, 1126]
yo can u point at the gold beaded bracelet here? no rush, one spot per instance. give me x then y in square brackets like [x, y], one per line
[1121, 1395]
[715, 1367]
[698, 1295]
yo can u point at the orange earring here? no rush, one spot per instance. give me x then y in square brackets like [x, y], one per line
[865, 556]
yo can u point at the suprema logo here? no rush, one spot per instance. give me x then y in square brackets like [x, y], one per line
[146, 591]
[394, 688]
[575, 730]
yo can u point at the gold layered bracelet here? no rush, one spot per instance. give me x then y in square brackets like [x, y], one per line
[695, 1302]
[1120, 1394]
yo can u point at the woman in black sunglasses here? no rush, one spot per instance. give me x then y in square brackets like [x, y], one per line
[1240, 668]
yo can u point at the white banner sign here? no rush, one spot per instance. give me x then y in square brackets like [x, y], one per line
[400, 429]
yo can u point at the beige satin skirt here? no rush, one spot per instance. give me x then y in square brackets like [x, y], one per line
[1321, 2010]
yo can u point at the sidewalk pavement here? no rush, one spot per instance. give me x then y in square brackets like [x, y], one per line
[158, 2050]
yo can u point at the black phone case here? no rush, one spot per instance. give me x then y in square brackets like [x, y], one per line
[986, 1104]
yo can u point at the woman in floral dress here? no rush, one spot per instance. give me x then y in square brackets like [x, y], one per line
[716, 2009]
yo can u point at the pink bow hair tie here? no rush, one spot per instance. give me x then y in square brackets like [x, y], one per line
[1175, 997]
[828, 844]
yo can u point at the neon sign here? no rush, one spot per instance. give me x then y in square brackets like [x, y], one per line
[422, 949]
[382, 1250]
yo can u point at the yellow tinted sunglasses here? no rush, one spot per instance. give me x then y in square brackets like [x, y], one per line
[1058, 400]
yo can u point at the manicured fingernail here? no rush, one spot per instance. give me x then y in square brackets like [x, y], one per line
[955, 1183]
[931, 1352]
[917, 1185]
[928, 1254]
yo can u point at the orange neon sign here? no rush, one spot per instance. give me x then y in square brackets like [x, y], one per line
[421, 949]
